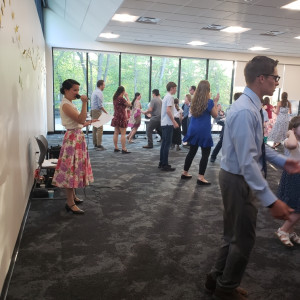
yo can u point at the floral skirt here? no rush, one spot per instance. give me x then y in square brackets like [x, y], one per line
[73, 168]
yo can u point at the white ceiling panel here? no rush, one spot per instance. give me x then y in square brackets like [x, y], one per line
[182, 21]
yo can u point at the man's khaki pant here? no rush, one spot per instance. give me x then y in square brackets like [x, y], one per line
[97, 132]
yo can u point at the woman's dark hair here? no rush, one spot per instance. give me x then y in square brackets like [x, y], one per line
[118, 92]
[284, 99]
[135, 96]
[266, 101]
[67, 85]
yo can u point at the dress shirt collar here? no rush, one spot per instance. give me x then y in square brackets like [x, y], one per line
[255, 99]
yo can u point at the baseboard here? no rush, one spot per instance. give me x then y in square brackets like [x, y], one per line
[14, 255]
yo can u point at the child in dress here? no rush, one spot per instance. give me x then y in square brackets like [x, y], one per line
[135, 116]
[176, 139]
[288, 190]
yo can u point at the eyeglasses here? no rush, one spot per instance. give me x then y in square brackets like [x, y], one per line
[276, 77]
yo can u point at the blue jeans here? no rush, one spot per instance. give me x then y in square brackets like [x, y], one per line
[167, 134]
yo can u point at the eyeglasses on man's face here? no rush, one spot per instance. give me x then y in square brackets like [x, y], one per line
[276, 77]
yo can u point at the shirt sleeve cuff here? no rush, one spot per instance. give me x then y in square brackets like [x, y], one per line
[266, 197]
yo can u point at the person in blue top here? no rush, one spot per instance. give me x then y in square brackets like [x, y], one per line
[199, 130]
[242, 181]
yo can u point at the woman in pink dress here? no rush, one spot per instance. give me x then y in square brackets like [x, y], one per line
[73, 168]
[119, 120]
[135, 116]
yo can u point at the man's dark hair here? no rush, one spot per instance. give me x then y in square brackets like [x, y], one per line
[294, 123]
[259, 65]
[155, 92]
[170, 85]
[236, 96]
[100, 82]
[193, 87]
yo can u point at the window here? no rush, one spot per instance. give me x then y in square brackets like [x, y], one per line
[67, 65]
[192, 72]
[220, 79]
[135, 76]
[89, 67]
[104, 66]
[164, 70]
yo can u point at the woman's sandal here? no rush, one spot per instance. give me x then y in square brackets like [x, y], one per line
[284, 237]
[295, 238]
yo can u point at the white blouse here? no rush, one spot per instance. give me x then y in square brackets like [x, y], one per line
[65, 120]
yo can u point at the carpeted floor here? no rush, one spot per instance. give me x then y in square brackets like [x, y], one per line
[145, 234]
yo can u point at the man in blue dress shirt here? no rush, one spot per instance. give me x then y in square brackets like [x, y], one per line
[242, 181]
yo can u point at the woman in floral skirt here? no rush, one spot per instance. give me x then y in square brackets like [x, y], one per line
[73, 168]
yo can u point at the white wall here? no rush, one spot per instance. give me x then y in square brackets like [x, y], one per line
[22, 116]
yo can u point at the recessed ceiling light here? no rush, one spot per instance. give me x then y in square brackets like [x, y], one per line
[293, 5]
[235, 29]
[109, 35]
[257, 48]
[196, 43]
[124, 18]
[297, 37]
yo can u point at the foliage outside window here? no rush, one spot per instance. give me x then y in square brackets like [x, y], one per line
[192, 72]
[67, 64]
[135, 73]
[104, 66]
[220, 78]
[164, 70]
[135, 76]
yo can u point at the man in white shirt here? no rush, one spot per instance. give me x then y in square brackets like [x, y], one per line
[167, 124]
[96, 110]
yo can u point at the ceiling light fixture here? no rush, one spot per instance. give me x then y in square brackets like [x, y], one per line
[235, 29]
[124, 18]
[293, 5]
[109, 35]
[148, 20]
[214, 27]
[196, 43]
[257, 48]
[297, 37]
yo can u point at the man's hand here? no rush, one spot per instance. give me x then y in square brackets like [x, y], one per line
[280, 210]
[292, 166]
[175, 124]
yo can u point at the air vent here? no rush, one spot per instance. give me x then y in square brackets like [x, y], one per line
[214, 27]
[272, 33]
[147, 20]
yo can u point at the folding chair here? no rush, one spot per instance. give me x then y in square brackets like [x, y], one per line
[45, 164]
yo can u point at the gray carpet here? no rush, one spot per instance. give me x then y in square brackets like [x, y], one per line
[146, 234]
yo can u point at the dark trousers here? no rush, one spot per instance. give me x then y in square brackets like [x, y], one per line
[219, 144]
[203, 161]
[239, 219]
[184, 126]
[167, 133]
[176, 139]
[153, 124]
